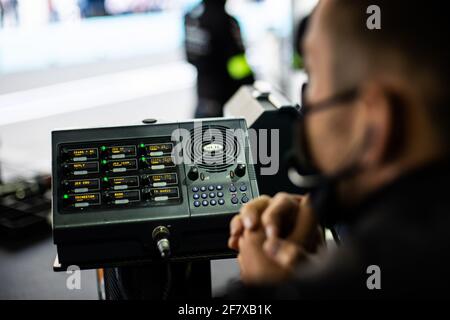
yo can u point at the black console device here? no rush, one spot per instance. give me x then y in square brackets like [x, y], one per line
[270, 111]
[115, 187]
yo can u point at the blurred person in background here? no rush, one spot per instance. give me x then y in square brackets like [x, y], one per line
[9, 13]
[63, 10]
[214, 46]
[375, 127]
[1, 14]
[298, 40]
[115, 7]
[92, 8]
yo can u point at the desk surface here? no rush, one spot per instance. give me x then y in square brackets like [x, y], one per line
[26, 272]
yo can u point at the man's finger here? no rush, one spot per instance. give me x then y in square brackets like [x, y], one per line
[236, 226]
[306, 228]
[233, 243]
[280, 214]
[285, 253]
[251, 212]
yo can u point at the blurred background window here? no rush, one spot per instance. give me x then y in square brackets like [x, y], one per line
[63, 59]
[37, 34]
[90, 63]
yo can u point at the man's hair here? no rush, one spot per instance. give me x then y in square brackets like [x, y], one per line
[412, 41]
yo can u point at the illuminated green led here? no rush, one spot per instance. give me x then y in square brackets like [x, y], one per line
[143, 159]
[105, 179]
[238, 67]
[103, 148]
[104, 161]
[142, 145]
[66, 196]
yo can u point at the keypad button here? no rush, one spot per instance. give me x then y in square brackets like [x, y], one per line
[194, 189]
[204, 203]
[221, 202]
[243, 188]
[212, 195]
[196, 196]
[197, 203]
[244, 199]
[220, 194]
[211, 188]
[234, 200]
[204, 196]
[219, 187]
[232, 188]
[203, 189]
[213, 202]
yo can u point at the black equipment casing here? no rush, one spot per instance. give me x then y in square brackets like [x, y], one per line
[119, 232]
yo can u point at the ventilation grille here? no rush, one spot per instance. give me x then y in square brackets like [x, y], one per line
[213, 148]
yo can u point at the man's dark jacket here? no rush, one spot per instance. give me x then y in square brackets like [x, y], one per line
[404, 229]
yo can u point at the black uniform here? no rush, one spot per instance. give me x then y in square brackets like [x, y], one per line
[403, 229]
[212, 41]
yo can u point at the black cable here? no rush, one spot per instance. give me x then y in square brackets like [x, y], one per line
[112, 289]
[187, 274]
[168, 286]
[122, 290]
[335, 236]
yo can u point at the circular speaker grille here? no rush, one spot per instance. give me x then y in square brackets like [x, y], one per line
[213, 148]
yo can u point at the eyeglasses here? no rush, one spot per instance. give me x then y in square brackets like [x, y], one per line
[337, 100]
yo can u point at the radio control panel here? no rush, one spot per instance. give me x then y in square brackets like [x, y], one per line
[113, 174]
[112, 186]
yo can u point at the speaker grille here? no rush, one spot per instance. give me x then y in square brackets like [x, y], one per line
[213, 148]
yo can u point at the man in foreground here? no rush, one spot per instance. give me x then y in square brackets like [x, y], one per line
[376, 126]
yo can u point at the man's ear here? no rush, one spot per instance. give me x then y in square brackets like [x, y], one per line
[378, 124]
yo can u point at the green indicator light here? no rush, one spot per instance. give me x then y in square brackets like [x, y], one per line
[142, 145]
[238, 67]
[66, 196]
[103, 148]
[143, 159]
[105, 179]
[104, 161]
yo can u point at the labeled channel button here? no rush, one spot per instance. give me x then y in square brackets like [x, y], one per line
[119, 152]
[81, 168]
[160, 180]
[158, 149]
[158, 163]
[123, 197]
[81, 154]
[162, 194]
[121, 183]
[117, 166]
[81, 200]
[81, 186]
